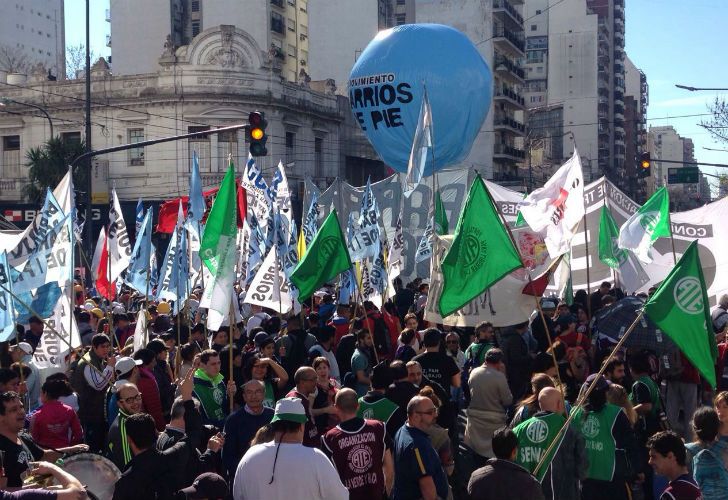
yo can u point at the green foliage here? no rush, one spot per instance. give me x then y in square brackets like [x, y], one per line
[48, 164]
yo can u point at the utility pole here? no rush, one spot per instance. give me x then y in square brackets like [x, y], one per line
[88, 222]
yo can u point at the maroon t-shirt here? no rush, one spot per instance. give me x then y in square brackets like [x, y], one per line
[310, 432]
[682, 488]
[357, 451]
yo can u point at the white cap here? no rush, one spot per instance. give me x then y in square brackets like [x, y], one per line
[125, 365]
[23, 346]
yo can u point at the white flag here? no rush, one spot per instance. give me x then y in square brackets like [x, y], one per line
[421, 148]
[256, 188]
[365, 239]
[395, 256]
[141, 335]
[557, 207]
[52, 351]
[119, 244]
[269, 288]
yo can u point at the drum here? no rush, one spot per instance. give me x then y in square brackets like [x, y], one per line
[97, 473]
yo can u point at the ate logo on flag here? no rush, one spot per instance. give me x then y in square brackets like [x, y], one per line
[559, 203]
[649, 221]
[688, 295]
[475, 251]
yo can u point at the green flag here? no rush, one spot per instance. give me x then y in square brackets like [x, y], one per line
[520, 221]
[325, 257]
[680, 309]
[441, 224]
[218, 249]
[481, 252]
[609, 251]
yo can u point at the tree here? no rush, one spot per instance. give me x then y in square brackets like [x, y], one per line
[48, 164]
[76, 60]
[14, 60]
[717, 125]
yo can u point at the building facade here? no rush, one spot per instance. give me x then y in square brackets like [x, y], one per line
[636, 99]
[664, 143]
[32, 32]
[215, 81]
[278, 26]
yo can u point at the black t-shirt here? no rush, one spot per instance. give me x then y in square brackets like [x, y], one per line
[438, 367]
[17, 458]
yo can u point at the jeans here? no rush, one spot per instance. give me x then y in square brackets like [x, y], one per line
[680, 395]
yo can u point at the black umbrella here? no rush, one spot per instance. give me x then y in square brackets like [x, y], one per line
[612, 322]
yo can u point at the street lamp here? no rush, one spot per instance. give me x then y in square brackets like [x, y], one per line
[4, 101]
[695, 89]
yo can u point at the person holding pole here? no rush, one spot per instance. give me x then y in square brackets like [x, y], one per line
[610, 443]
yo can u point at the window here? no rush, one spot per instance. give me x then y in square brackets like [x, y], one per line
[535, 56]
[201, 145]
[401, 19]
[71, 137]
[195, 6]
[292, 3]
[401, 2]
[195, 28]
[534, 27]
[318, 163]
[136, 155]
[11, 143]
[227, 144]
[10, 159]
[291, 25]
[290, 147]
[537, 42]
[276, 22]
[539, 69]
[292, 51]
[538, 11]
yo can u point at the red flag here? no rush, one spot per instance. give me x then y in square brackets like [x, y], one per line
[538, 285]
[168, 210]
[101, 267]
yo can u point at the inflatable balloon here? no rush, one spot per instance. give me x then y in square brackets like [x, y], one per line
[387, 83]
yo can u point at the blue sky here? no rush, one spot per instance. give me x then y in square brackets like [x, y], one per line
[671, 41]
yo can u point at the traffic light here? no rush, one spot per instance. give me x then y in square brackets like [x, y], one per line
[645, 164]
[256, 133]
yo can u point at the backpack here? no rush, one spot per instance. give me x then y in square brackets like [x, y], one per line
[470, 363]
[380, 335]
[708, 471]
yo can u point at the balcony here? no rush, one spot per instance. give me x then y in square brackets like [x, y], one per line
[108, 15]
[603, 128]
[505, 68]
[619, 12]
[506, 152]
[508, 41]
[507, 12]
[507, 95]
[507, 123]
[108, 40]
[619, 25]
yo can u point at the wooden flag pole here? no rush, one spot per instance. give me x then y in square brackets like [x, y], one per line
[230, 357]
[588, 275]
[672, 240]
[582, 398]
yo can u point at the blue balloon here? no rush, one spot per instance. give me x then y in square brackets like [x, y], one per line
[387, 83]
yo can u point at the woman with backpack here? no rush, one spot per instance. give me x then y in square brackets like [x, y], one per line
[708, 456]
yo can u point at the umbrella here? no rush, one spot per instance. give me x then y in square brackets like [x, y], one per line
[611, 323]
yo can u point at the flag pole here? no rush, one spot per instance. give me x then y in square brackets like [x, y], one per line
[530, 282]
[588, 275]
[108, 266]
[672, 240]
[582, 398]
[230, 348]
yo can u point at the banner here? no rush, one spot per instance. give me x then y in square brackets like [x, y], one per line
[364, 242]
[52, 351]
[119, 244]
[259, 196]
[269, 288]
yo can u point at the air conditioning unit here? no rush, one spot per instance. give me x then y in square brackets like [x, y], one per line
[303, 62]
[302, 36]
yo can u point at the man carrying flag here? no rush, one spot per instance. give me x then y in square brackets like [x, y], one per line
[650, 222]
[326, 257]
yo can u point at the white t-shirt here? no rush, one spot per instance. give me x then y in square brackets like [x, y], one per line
[300, 472]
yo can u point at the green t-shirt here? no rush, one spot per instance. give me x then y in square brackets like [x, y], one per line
[600, 443]
[479, 350]
[381, 409]
[535, 435]
[360, 362]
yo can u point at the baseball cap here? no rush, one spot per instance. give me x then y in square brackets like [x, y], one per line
[125, 365]
[163, 308]
[23, 346]
[291, 410]
[601, 385]
[262, 339]
[119, 309]
[97, 312]
[208, 485]
[548, 304]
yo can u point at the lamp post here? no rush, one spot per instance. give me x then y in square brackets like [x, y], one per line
[5, 101]
[695, 89]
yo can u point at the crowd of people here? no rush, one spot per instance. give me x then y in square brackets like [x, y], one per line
[355, 401]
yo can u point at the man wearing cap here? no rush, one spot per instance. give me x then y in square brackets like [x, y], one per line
[284, 469]
[126, 371]
[610, 444]
[151, 401]
[417, 466]
[23, 353]
[90, 380]
[207, 486]
[34, 333]
[130, 403]
[360, 450]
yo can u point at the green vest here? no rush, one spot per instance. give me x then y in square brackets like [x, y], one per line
[600, 443]
[269, 400]
[535, 435]
[654, 394]
[380, 410]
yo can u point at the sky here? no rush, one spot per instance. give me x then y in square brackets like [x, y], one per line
[672, 41]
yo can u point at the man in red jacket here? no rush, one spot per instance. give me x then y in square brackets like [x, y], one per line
[147, 384]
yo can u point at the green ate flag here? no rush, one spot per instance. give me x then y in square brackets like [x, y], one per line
[325, 257]
[609, 252]
[441, 224]
[221, 228]
[680, 309]
[481, 253]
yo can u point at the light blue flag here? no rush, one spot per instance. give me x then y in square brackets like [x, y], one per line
[310, 223]
[256, 247]
[378, 275]
[139, 215]
[181, 272]
[364, 242]
[50, 215]
[196, 206]
[7, 311]
[139, 275]
[347, 282]
[290, 261]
